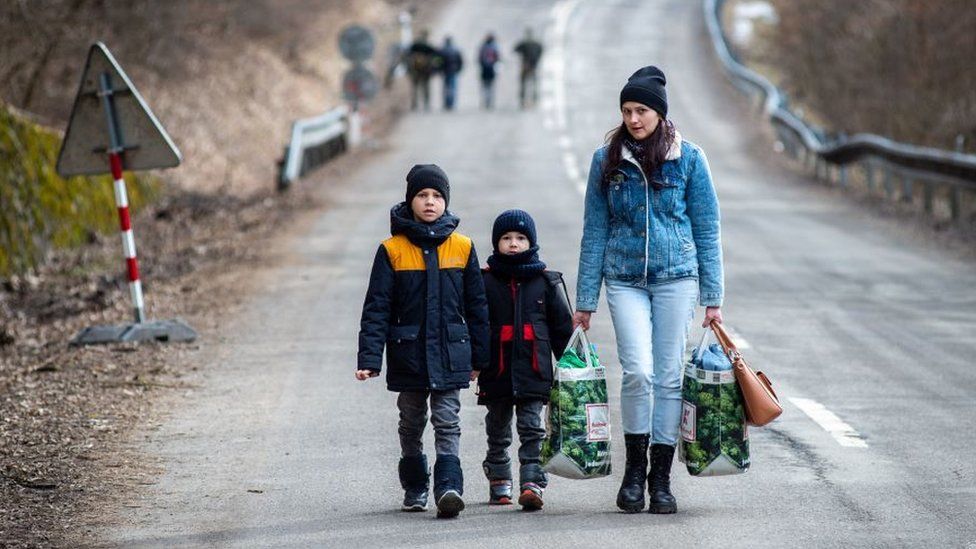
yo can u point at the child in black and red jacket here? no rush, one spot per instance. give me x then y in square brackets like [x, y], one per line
[531, 321]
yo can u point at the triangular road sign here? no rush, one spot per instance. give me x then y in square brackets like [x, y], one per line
[87, 141]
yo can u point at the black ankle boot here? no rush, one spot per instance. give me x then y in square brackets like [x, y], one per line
[630, 497]
[414, 477]
[659, 480]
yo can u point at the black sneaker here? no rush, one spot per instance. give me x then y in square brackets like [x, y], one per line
[500, 492]
[449, 504]
[414, 501]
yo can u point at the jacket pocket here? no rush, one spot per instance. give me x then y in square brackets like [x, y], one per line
[459, 347]
[542, 363]
[402, 353]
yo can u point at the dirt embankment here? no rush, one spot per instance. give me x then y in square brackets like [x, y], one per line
[226, 78]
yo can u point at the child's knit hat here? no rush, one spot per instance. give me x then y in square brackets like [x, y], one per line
[513, 220]
[427, 176]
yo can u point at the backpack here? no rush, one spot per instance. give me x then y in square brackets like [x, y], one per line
[488, 55]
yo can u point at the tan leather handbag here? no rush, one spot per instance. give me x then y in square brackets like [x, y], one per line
[761, 403]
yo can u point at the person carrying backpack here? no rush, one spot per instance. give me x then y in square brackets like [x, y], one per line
[488, 57]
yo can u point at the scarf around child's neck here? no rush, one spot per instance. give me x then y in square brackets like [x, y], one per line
[521, 265]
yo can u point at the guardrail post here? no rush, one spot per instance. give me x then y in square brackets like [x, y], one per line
[955, 202]
[869, 175]
[888, 184]
[927, 196]
[842, 176]
[907, 188]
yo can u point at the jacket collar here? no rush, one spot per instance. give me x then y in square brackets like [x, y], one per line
[421, 234]
[674, 152]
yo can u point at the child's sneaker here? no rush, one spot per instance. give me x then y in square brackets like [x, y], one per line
[531, 498]
[414, 501]
[449, 504]
[500, 492]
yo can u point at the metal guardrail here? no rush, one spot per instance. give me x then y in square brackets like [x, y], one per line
[315, 141]
[929, 166]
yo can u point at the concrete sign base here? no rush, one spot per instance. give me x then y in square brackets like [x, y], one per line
[164, 331]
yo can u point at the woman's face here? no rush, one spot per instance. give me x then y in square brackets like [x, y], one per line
[641, 120]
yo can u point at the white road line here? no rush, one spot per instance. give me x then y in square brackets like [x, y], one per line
[843, 433]
[572, 168]
[555, 68]
[740, 342]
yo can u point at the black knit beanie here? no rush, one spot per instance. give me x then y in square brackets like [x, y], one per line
[427, 176]
[513, 220]
[646, 86]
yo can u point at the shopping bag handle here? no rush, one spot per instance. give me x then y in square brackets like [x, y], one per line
[701, 345]
[579, 339]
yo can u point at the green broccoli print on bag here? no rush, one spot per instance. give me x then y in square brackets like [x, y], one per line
[577, 443]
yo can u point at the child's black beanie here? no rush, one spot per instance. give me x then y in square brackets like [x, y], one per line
[427, 176]
[513, 220]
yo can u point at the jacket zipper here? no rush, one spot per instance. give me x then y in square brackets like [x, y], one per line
[517, 328]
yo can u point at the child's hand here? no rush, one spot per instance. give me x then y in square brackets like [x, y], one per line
[363, 375]
[474, 374]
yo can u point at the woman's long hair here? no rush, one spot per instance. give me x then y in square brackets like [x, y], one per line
[656, 147]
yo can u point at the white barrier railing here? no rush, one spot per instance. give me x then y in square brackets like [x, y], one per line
[316, 140]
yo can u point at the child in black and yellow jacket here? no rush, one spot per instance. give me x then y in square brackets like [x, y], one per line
[426, 305]
[531, 322]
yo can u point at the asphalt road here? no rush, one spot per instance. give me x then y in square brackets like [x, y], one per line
[865, 329]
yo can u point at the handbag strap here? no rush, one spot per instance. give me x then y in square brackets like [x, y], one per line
[725, 340]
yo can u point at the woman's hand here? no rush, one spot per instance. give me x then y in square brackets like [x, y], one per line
[363, 375]
[474, 374]
[712, 314]
[582, 318]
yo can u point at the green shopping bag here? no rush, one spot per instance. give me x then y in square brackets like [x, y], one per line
[577, 443]
[714, 436]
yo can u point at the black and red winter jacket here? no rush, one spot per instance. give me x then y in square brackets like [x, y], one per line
[531, 322]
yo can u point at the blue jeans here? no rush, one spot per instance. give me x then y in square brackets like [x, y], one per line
[651, 324]
[450, 91]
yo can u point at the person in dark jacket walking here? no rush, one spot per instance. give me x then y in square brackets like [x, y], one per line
[451, 66]
[530, 50]
[426, 305]
[531, 321]
[488, 58]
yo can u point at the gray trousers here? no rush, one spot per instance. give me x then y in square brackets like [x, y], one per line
[445, 407]
[531, 431]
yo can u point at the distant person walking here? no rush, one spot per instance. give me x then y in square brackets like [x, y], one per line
[451, 65]
[422, 62]
[651, 231]
[488, 57]
[530, 50]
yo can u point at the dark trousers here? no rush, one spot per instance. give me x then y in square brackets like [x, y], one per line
[444, 409]
[531, 431]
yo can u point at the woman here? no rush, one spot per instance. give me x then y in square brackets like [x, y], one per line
[651, 230]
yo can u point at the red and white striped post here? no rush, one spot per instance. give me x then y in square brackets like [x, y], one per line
[115, 152]
[128, 242]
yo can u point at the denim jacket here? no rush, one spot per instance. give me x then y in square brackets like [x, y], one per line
[639, 236]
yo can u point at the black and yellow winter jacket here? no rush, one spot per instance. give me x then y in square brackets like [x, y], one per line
[426, 305]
